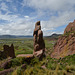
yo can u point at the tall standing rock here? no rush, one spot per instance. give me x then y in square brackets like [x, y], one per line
[39, 45]
[6, 51]
[12, 53]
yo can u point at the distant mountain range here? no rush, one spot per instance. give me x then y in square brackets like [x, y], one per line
[28, 36]
[54, 35]
[13, 36]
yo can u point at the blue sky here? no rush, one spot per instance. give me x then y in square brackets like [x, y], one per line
[18, 17]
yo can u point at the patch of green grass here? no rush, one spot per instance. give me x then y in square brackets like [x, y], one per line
[53, 66]
[61, 66]
[18, 61]
[1, 69]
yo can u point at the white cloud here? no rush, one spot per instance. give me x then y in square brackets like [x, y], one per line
[56, 21]
[26, 16]
[50, 4]
[17, 29]
[14, 8]
[8, 17]
[16, 25]
[4, 6]
[60, 13]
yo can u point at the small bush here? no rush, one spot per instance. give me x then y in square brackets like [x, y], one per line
[15, 62]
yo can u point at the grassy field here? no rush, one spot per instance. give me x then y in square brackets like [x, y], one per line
[24, 46]
[21, 46]
[52, 66]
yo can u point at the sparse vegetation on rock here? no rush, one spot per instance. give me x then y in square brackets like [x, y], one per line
[66, 43]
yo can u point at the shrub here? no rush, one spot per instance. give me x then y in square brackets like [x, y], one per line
[15, 62]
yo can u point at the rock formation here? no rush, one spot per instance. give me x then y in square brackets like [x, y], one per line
[70, 27]
[39, 45]
[9, 51]
[6, 71]
[1, 54]
[6, 64]
[66, 43]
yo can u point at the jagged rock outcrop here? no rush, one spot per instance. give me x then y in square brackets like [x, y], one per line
[70, 27]
[39, 45]
[9, 51]
[66, 43]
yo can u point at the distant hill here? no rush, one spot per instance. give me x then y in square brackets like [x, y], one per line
[53, 36]
[13, 36]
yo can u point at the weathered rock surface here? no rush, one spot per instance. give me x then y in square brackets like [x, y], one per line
[1, 54]
[9, 51]
[39, 45]
[25, 55]
[6, 64]
[6, 72]
[66, 43]
[23, 66]
[70, 27]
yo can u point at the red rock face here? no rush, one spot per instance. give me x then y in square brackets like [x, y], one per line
[70, 27]
[66, 43]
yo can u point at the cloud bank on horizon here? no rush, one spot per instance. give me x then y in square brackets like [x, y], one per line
[18, 17]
